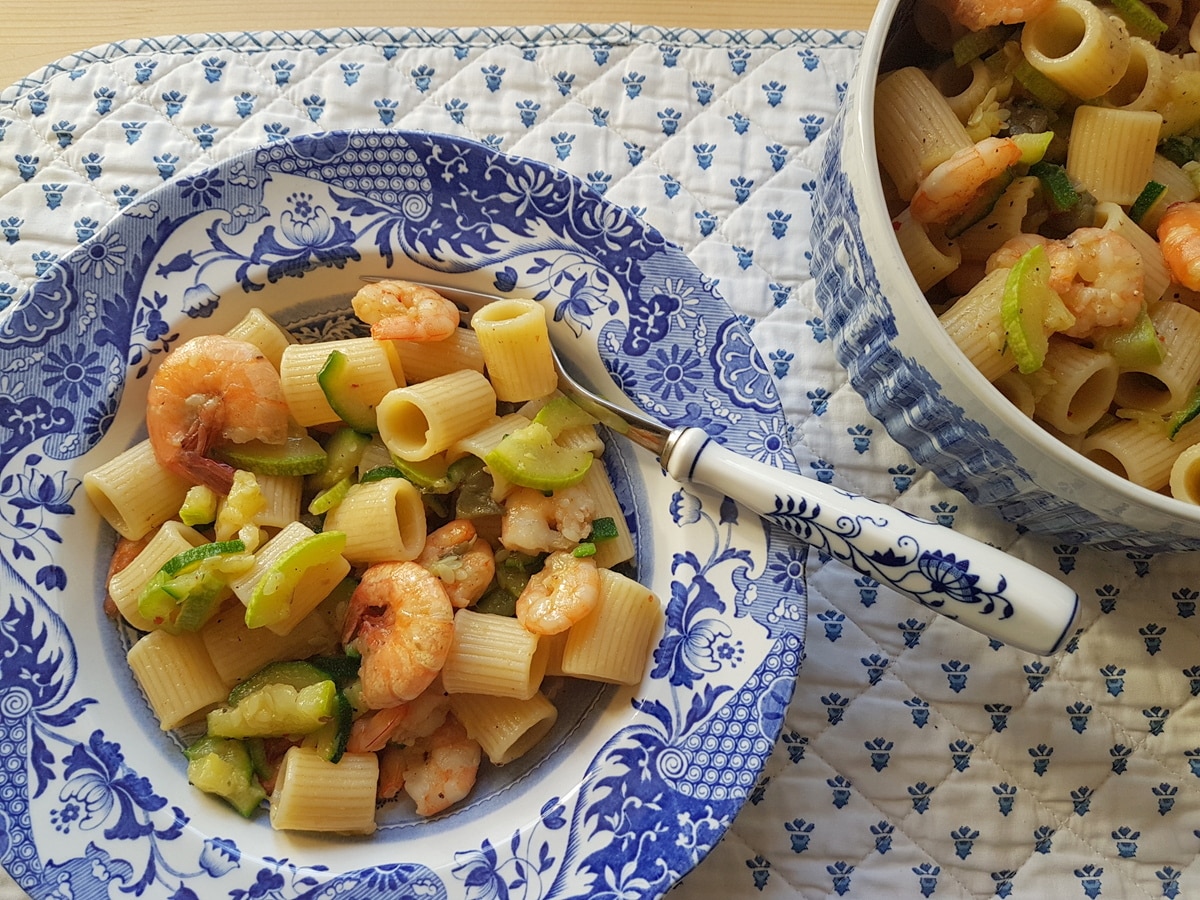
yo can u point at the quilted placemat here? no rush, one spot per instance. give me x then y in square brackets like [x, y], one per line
[917, 758]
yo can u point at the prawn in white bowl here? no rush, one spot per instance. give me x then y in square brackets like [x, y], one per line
[915, 254]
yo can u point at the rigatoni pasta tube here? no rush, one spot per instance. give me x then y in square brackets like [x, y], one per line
[612, 643]
[1082, 382]
[282, 495]
[1185, 476]
[310, 590]
[259, 329]
[929, 261]
[125, 587]
[1165, 386]
[423, 360]
[313, 794]
[1004, 222]
[505, 728]
[420, 420]
[480, 443]
[915, 128]
[1077, 45]
[133, 492]
[515, 343]
[1111, 151]
[374, 366]
[964, 87]
[492, 655]
[1147, 75]
[1156, 278]
[1018, 391]
[237, 651]
[384, 521]
[974, 324]
[597, 486]
[177, 676]
[1140, 450]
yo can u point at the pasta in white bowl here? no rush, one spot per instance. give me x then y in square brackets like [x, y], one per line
[1003, 190]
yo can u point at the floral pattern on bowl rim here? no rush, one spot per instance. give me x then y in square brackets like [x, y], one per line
[93, 795]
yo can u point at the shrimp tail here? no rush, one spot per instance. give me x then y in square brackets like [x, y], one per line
[193, 458]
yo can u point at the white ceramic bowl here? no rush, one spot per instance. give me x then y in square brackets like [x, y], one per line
[920, 385]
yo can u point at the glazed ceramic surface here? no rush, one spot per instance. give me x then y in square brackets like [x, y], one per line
[635, 785]
[916, 381]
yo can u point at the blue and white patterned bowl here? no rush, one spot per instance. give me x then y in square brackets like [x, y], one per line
[635, 785]
[916, 381]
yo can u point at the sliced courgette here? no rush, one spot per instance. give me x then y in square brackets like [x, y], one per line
[276, 710]
[560, 413]
[430, 475]
[1190, 410]
[1152, 194]
[298, 455]
[981, 207]
[344, 394]
[222, 766]
[271, 599]
[1027, 305]
[190, 586]
[343, 450]
[1136, 346]
[530, 457]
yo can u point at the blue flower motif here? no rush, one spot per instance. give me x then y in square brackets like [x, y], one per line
[786, 569]
[949, 576]
[104, 257]
[741, 372]
[650, 317]
[201, 190]
[689, 643]
[479, 871]
[266, 883]
[200, 301]
[305, 224]
[100, 785]
[675, 373]
[219, 857]
[697, 416]
[72, 373]
[685, 507]
[768, 441]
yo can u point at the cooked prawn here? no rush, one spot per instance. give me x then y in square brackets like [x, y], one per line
[440, 770]
[534, 523]
[1179, 238]
[565, 590]
[403, 311]
[402, 724]
[979, 14]
[461, 559]
[391, 772]
[1098, 274]
[956, 183]
[1006, 255]
[208, 390]
[401, 621]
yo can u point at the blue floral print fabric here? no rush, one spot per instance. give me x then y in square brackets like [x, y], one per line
[917, 759]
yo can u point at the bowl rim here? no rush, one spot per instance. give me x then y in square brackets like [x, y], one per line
[1059, 453]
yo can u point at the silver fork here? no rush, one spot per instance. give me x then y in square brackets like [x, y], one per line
[974, 583]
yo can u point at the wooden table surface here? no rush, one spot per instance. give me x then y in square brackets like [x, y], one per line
[36, 32]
